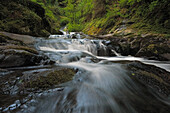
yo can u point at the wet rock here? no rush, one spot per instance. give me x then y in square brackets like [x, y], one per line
[17, 58]
[167, 24]
[51, 78]
[166, 56]
[148, 46]
[12, 60]
[157, 49]
[2, 56]
[156, 78]
[19, 87]
[15, 53]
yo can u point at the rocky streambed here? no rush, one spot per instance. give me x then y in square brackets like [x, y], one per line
[83, 76]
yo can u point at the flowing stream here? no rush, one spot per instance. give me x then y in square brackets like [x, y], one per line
[100, 85]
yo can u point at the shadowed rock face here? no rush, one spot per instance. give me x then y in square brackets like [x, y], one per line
[15, 53]
[152, 76]
[152, 47]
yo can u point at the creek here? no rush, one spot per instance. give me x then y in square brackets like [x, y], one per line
[102, 83]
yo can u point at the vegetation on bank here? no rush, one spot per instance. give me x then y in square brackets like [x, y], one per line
[44, 17]
[28, 17]
[104, 16]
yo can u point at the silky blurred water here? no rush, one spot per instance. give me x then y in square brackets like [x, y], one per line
[99, 86]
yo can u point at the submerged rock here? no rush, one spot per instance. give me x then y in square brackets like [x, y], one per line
[22, 84]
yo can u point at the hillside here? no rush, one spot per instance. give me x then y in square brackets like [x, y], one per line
[104, 16]
[28, 17]
[94, 17]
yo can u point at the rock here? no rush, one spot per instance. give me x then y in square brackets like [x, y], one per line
[27, 17]
[8, 37]
[166, 56]
[152, 76]
[167, 24]
[12, 61]
[2, 56]
[158, 50]
[148, 46]
[38, 9]
[16, 53]
[3, 70]
[47, 78]
[18, 58]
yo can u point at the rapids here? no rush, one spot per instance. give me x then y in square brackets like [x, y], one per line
[100, 85]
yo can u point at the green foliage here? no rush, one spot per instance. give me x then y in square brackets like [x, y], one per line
[153, 5]
[100, 15]
[123, 3]
[76, 12]
[64, 21]
[128, 2]
[52, 14]
[75, 27]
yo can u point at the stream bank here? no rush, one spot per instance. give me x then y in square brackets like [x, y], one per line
[150, 46]
[18, 50]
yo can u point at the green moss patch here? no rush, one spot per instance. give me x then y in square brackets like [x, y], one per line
[27, 18]
[53, 78]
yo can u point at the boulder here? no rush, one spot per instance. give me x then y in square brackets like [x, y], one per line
[16, 52]
[148, 46]
[156, 78]
[18, 58]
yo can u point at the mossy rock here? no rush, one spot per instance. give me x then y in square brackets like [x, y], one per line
[44, 33]
[154, 50]
[8, 40]
[152, 76]
[55, 77]
[167, 24]
[15, 53]
[17, 47]
[18, 58]
[27, 17]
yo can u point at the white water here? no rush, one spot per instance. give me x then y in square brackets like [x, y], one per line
[66, 34]
[100, 85]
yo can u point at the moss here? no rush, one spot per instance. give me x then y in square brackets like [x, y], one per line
[44, 32]
[17, 47]
[157, 48]
[6, 39]
[93, 30]
[145, 73]
[27, 18]
[54, 78]
[151, 76]
[167, 24]
[14, 52]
